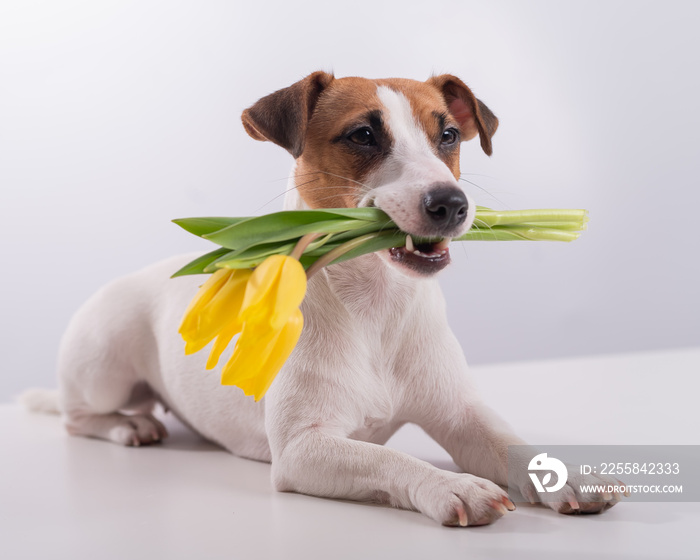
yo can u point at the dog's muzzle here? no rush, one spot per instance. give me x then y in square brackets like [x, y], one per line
[430, 221]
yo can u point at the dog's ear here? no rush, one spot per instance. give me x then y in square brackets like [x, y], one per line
[282, 117]
[472, 115]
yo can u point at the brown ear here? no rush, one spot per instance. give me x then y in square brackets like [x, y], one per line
[282, 117]
[472, 115]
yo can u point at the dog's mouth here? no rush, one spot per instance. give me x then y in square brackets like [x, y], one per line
[424, 257]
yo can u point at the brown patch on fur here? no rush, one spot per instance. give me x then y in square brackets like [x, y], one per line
[313, 118]
[473, 116]
[283, 116]
[330, 173]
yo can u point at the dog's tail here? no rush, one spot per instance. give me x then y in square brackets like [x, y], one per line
[40, 400]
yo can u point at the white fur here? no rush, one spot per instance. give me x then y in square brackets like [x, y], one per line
[376, 352]
[40, 400]
[412, 169]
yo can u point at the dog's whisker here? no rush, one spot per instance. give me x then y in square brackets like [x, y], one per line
[344, 178]
[331, 195]
[481, 227]
[364, 189]
[484, 190]
[283, 194]
[317, 172]
[464, 250]
[477, 175]
[292, 176]
[312, 189]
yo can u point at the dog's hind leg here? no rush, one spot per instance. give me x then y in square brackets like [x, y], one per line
[95, 393]
[125, 429]
[85, 415]
[103, 392]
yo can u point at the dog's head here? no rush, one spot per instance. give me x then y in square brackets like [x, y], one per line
[390, 143]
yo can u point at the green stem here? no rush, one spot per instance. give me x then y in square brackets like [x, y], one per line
[508, 233]
[339, 251]
[488, 217]
[303, 243]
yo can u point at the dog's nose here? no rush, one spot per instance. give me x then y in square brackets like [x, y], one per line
[446, 207]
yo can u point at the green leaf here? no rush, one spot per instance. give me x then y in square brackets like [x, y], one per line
[282, 226]
[319, 243]
[236, 264]
[320, 251]
[199, 265]
[203, 226]
[253, 256]
[385, 240]
[369, 214]
[263, 250]
[382, 225]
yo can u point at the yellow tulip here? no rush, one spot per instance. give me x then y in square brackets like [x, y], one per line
[272, 324]
[275, 290]
[263, 306]
[259, 355]
[215, 311]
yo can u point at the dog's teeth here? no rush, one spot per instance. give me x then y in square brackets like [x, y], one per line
[409, 244]
[431, 254]
[441, 247]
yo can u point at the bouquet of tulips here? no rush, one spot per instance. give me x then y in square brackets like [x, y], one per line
[259, 274]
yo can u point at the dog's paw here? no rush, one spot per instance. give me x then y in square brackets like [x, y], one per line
[138, 429]
[131, 430]
[581, 494]
[455, 499]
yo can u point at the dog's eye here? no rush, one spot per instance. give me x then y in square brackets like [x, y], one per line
[362, 137]
[450, 136]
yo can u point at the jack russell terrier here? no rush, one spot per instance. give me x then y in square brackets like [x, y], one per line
[376, 351]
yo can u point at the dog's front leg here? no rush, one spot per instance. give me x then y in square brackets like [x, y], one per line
[312, 454]
[480, 443]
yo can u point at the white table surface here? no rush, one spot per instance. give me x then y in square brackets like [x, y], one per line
[68, 497]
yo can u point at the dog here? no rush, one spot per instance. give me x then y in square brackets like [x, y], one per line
[376, 351]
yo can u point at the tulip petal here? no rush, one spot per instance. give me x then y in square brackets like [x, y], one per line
[259, 355]
[206, 292]
[275, 290]
[265, 277]
[263, 306]
[225, 307]
[290, 292]
[285, 343]
[222, 341]
[256, 341]
[220, 311]
[193, 346]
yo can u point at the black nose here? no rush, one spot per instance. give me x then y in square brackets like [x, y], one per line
[446, 207]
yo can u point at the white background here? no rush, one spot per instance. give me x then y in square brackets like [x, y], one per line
[116, 117]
